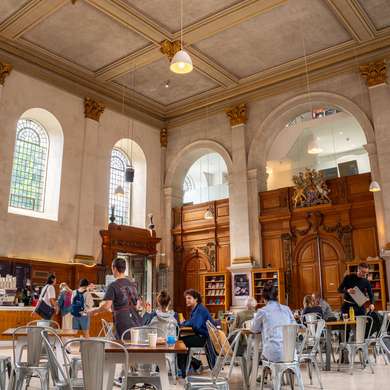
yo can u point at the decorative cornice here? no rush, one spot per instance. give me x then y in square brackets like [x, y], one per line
[374, 72]
[164, 138]
[5, 70]
[93, 109]
[237, 115]
[169, 48]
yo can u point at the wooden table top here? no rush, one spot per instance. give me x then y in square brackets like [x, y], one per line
[60, 332]
[339, 323]
[179, 347]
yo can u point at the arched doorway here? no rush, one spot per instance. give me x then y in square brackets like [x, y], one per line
[319, 267]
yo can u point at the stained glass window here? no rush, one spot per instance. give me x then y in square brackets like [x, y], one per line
[119, 162]
[29, 167]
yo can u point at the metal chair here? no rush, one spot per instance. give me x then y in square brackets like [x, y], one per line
[107, 330]
[310, 347]
[374, 341]
[216, 381]
[218, 338]
[24, 370]
[385, 344]
[60, 369]
[5, 370]
[358, 345]
[45, 323]
[92, 352]
[289, 362]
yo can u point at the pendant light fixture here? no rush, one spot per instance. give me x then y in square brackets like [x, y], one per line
[130, 171]
[313, 147]
[208, 214]
[181, 62]
[374, 186]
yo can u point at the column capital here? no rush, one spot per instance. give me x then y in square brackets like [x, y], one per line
[375, 73]
[164, 138]
[237, 115]
[93, 109]
[5, 70]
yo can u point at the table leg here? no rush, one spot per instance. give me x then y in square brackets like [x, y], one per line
[255, 363]
[328, 349]
[109, 370]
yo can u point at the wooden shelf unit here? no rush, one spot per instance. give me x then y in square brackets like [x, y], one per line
[260, 276]
[376, 276]
[216, 291]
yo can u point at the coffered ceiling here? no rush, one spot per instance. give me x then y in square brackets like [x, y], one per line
[241, 49]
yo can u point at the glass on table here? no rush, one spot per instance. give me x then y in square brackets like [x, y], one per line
[345, 317]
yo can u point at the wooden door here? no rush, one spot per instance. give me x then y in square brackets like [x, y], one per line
[320, 268]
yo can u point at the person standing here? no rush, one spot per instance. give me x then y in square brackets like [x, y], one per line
[48, 296]
[121, 298]
[82, 304]
[65, 305]
[348, 288]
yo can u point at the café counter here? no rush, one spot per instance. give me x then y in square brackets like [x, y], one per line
[14, 316]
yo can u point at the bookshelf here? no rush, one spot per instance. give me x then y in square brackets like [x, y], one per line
[216, 291]
[260, 276]
[376, 276]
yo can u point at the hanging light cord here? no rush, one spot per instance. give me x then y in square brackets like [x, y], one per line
[181, 24]
[307, 73]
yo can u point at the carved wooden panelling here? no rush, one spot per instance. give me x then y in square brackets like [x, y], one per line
[365, 242]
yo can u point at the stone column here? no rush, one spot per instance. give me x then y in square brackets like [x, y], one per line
[173, 197]
[5, 70]
[375, 74]
[240, 225]
[86, 216]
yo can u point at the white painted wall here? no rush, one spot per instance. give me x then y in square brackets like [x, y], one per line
[28, 237]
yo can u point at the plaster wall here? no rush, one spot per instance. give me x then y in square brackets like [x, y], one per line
[28, 237]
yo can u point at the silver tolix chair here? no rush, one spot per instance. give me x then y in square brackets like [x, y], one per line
[5, 370]
[289, 362]
[374, 341]
[360, 344]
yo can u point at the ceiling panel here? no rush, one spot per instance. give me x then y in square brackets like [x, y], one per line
[378, 11]
[85, 35]
[8, 7]
[150, 81]
[275, 37]
[167, 12]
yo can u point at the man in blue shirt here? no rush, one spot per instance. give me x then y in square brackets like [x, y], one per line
[198, 319]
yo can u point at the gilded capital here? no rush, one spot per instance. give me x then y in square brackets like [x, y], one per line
[237, 115]
[169, 48]
[5, 70]
[374, 72]
[93, 109]
[164, 138]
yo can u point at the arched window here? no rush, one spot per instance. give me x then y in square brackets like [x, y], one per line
[206, 180]
[121, 203]
[29, 169]
[327, 139]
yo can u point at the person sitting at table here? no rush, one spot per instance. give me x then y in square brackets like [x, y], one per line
[348, 286]
[310, 306]
[121, 298]
[198, 319]
[245, 315]
[267, 318]
[327, 311]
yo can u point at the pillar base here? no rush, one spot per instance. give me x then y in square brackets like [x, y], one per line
[240, 269]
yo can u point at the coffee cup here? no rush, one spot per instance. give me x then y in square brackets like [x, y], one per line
[152, 340]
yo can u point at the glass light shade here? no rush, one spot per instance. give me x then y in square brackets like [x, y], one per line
[181, 63]
[208, 214]
[374, 186]
[119, 191]
[313, 147]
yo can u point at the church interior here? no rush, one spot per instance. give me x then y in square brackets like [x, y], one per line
[226, 151]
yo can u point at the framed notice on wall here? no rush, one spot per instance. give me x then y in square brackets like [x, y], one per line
[241, 288]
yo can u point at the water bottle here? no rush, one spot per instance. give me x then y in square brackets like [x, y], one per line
[171, 333]
[351, 313]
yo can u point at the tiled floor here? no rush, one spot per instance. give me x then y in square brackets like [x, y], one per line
[333, 380]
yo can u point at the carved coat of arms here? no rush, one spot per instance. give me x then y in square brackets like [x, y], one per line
[310, 189]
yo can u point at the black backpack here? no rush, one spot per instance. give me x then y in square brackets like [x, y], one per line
[78, 304]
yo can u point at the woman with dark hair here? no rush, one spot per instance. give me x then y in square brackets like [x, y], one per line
[48, 295]
[121, 298]
[198, 319]
[267, 318]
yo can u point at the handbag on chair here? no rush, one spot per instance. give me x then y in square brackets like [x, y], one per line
[44, 310]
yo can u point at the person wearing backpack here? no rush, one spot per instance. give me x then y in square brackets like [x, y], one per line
[65, 305]
[82, 304]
